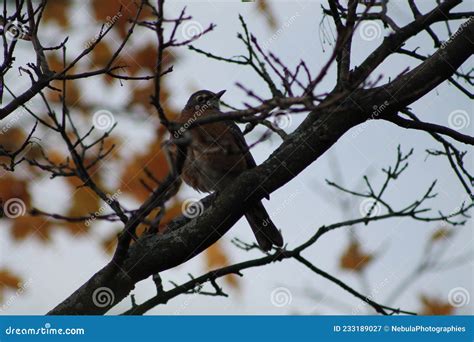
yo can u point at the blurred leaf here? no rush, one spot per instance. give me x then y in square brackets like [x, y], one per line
[11, 187]
[84, 202]
[26, 226]
[112, 142]
[101, 55]
[434, 306]
[73, 94]
[54, 61]
[216, 257]
[110, 242]
[172, 212]
[118, 12]
[10, 141]
[57, 157]
[143, 60]
[8, 280]
[354, 259]
[57, 11]
[155, 161]
[441, 234]
[23, 225]
[267, 12]
[142, 96]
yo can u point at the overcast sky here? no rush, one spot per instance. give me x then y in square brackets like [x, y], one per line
[300, 207]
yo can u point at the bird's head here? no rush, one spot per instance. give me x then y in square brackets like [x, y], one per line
[203, 100]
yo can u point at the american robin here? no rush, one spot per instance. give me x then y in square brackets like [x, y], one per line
[216, 155]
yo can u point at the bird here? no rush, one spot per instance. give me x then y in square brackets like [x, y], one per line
[217, 153]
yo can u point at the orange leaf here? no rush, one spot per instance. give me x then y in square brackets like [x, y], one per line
[117, 12]
[155, 161]
[36, 226]
[142, 95]
[433, 306]
[58, 158]
[172, 212]
[73, 94]
[142, 228]
[57, 11]
[55, 63]
[355, 259]
[215, 258]
[144, 60]
[113, 143]
[8, 280]
[101, 54]
[267, 12]
[441, 234]
[12, 188]
[84, 202]
[11, 140]
[109, 243]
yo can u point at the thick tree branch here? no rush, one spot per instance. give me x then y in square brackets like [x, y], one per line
[437, 68]
[395, 40]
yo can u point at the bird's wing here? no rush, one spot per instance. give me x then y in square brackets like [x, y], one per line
[241, 143]
[240, 140]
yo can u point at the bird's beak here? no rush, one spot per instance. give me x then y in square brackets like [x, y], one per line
[219, 94]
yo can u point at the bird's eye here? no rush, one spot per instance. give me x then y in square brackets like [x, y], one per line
[201, 98]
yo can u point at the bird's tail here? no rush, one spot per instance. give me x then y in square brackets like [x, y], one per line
[265, 231]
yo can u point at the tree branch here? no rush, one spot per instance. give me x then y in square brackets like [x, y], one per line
[316, 134]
